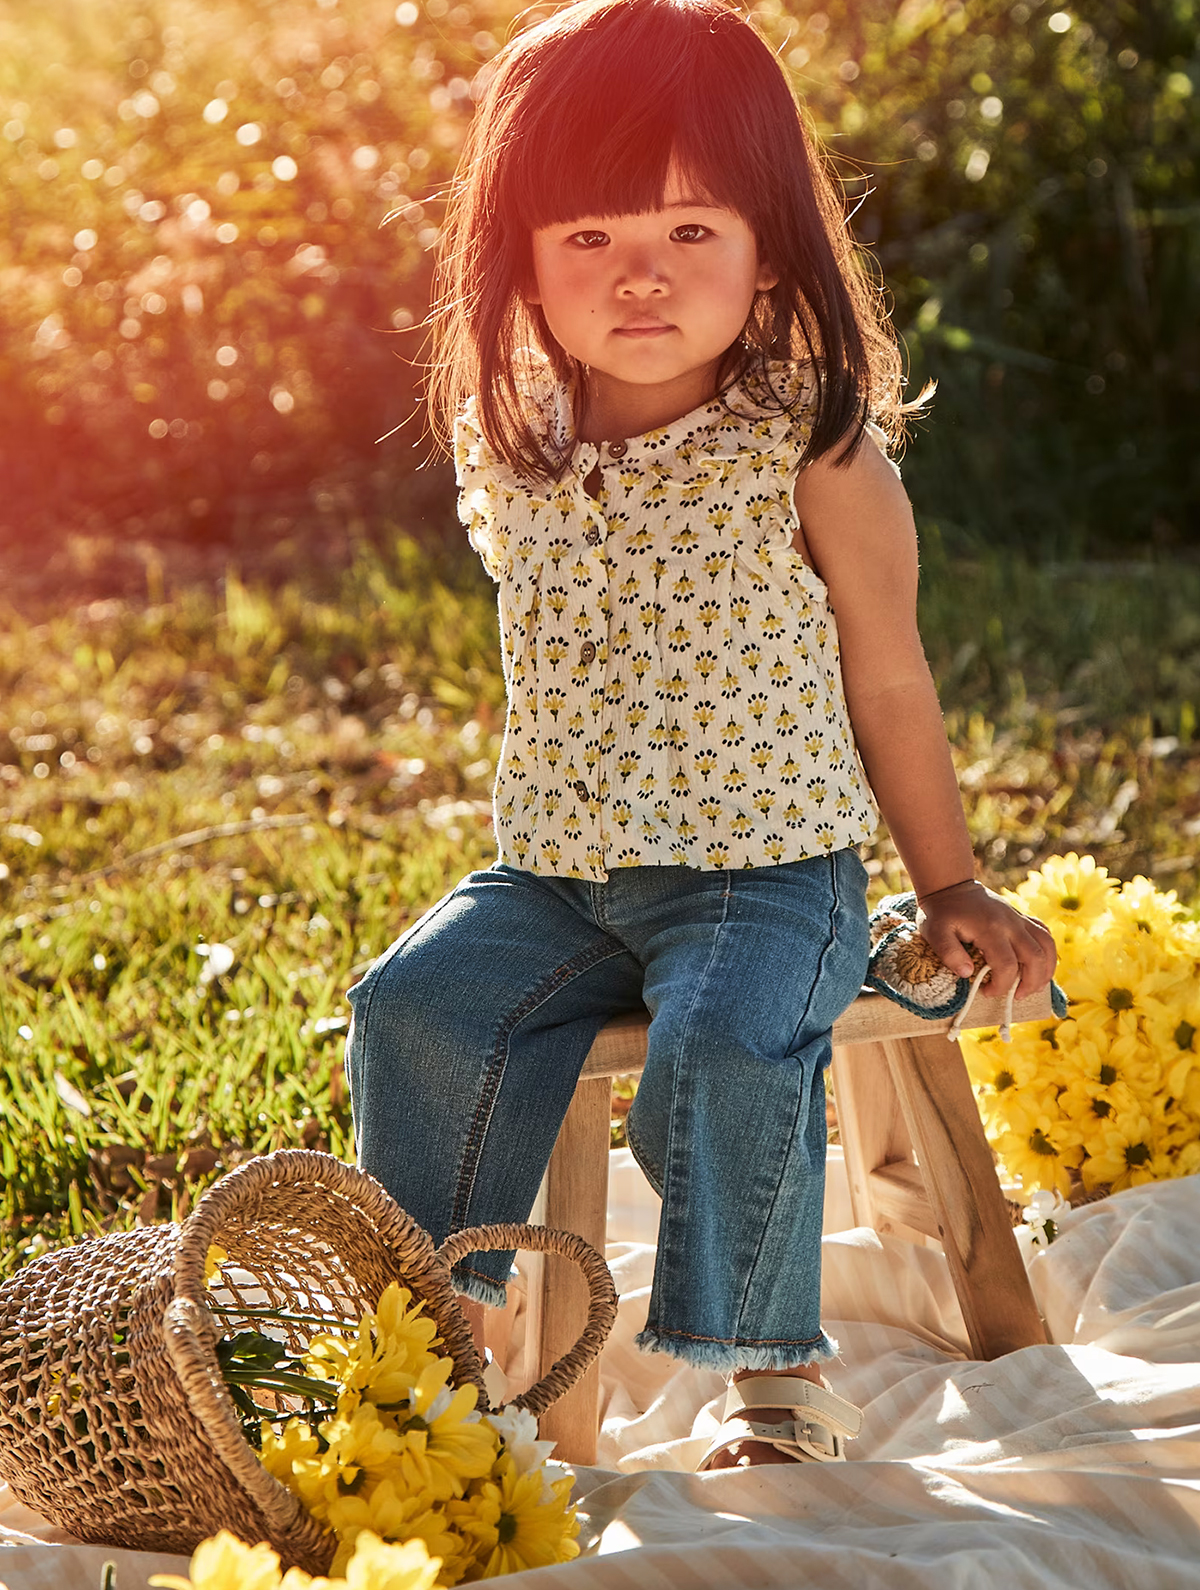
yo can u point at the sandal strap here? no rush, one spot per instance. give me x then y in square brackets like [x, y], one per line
[808, 1403]
[803, 1442]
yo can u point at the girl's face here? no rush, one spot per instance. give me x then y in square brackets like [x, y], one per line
[649, 303]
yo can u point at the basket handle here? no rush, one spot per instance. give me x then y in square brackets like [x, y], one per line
[188, 1332]
[410, 1247]
[602, 1297]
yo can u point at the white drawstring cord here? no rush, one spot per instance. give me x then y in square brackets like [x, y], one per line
[956, 1026]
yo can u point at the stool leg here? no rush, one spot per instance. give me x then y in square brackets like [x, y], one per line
[960, 1181]
[576, 1199]
[871, 1126]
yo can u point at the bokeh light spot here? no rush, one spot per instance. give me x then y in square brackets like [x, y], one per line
[977, 164]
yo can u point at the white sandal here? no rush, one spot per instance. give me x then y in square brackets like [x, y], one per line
[821, 1422]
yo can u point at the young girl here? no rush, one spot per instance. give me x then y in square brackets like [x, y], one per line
[673, 386]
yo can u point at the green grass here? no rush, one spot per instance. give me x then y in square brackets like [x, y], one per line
[295, 773]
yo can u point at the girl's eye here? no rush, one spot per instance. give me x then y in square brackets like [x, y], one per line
[590, 239]
[691, 232]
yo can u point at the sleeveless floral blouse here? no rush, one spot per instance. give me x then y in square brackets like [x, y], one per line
[674, 691]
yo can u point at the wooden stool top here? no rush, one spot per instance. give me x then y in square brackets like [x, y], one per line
[620, 1046]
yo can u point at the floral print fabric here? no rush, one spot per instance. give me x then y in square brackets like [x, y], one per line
[674, 690]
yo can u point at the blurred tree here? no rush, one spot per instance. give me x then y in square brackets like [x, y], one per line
[1029, 176]
[202, 312]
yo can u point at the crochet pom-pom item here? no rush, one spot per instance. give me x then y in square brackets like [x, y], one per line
[905, 967]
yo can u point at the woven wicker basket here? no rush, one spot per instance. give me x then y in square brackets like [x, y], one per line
[115, 1422]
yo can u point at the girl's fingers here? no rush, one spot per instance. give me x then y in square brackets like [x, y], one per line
[1025, 960]
[1019, 950]
[949, 946]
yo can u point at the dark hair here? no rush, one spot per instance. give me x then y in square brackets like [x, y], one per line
[584, 115]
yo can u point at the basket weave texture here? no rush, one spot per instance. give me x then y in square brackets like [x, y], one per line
[115, 1422]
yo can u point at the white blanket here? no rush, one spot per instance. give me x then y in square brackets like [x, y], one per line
[1069, 1467]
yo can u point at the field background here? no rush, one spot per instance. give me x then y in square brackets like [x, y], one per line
[249, 690]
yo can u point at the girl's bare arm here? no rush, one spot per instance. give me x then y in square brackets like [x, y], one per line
[857, 532]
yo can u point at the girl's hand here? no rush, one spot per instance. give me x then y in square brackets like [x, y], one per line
[1019, 949]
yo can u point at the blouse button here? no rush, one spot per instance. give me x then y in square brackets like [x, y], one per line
[587, 652]
[580, 789]
[592, 536]
[617, 449]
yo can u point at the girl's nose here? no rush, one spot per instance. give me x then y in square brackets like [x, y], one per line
[642, 273]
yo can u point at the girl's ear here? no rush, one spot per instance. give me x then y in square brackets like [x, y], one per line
[766, 278]
[527, 284]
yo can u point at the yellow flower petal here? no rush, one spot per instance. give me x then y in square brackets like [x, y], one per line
[377, 1565]
[226, 1563]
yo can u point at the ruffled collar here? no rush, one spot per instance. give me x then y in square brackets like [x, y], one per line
[749, 417]
[746, 421]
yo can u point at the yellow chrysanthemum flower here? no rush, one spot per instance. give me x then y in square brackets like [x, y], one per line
[445, 1442]
[1039, 1145]
[533, 1530]
[1176, 1037]
[226, 1563]
[1069, 891]
[391, 1348]
[1139, 907]
[385, 1511]
[360, 1447]
[292, 1455]
[377, 1565]
[1124, 1154]
[1116, 989]
[1090, 1107]
[1188, 1097]
[213, 1260]
[363, 1438]
[1110, 1096]
[995, 1067]
[475, 1518]
[1100, 1058]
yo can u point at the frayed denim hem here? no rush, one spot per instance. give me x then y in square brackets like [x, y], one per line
[704, 1353]
[473, 1285]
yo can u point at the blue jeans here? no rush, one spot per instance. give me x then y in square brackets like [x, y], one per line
[469, 1033]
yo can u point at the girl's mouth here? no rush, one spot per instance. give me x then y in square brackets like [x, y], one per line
[655, 328]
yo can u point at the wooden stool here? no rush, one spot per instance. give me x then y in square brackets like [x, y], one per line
[916, 1156]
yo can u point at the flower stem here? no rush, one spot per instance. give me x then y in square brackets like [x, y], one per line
[285, 1317]
[282, 1381]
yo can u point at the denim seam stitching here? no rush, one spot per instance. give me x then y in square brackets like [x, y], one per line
[744, 1341]
[683, 1031]
[830, 943]
[494, 1070]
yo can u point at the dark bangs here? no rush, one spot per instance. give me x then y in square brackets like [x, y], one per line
[617, 104]
[585, 115]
